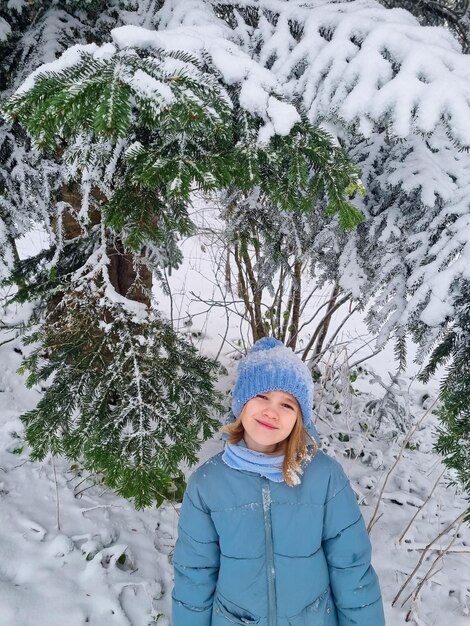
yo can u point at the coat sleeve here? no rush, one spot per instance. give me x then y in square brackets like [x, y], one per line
[347, 549]
[196, 562]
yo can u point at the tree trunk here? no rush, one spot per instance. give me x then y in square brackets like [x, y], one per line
[128, 274]
[257, 292]
[325, 323]
[296, 302]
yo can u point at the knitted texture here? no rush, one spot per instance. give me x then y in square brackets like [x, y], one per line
[239, 457]
[271, 366]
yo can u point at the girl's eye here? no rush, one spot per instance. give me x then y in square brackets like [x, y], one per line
[260, 395]
[288, 406]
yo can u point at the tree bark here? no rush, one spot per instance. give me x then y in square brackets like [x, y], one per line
[129, 276]
[325, 324]
[296, 303]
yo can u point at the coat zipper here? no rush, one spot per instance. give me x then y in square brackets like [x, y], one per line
[270, 571]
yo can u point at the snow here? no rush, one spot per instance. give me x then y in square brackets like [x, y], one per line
[74, 574]
[362, 83]
[352, 276]
[5, 29]
[283, 115]
[70, 58]
[234, 65]
[78, 572]
[191, 39]
[149, 86]
[17, 5]
[377, 62]
[360, 67]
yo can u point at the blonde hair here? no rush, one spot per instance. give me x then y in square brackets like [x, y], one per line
[297, 446]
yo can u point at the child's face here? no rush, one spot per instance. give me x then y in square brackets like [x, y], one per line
[268, 420]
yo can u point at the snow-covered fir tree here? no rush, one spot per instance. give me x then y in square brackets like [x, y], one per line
[393, 93]
[133, 132]
[377, 80]
[452, 14]
[32, 33]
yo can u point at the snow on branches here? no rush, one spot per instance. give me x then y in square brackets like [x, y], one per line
[395, 94]
[378, 80]
[357, 60]
[5, 29]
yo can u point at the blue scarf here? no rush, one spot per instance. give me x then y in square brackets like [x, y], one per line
[240, 457]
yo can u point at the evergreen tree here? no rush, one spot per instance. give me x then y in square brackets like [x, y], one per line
[452, 14]
[379, 81]
[135, 131]
[392, 93]
[452, 345]
[129, 399]
[453, 350]
[33, 33]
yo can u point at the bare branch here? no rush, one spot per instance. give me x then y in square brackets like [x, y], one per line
[458, 520]
[407, 439]
[297, 294]
[324, 320]
[421, 507]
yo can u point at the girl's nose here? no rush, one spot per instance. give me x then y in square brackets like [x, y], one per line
[271, 411]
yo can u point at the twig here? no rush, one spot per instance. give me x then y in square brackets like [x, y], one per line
[82, 481]
[101, 506]
[56, 492]
[457, 519]
[243, 291]
[421, 507]
[456, 551]
[285, 322]
[310, 320]
[7, 341]
[428, 576]
[236, 348]
[373, 519]
[170, 502]
[296, 301]
[224, 338]
[338, 345]
[335, 306]
[83, 490]
[21, 464]
[430, 572]
[307, 299]
[170, 295]
[366, 358]
[365, 344]
[277, 301]
[335, 334]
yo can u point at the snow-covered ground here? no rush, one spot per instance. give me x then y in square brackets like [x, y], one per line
[73, 553]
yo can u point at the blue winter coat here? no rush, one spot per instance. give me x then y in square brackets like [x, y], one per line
[252, 551]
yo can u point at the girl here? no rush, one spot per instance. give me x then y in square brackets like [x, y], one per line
[270, 532]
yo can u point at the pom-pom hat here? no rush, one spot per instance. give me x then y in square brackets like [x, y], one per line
[271, 366]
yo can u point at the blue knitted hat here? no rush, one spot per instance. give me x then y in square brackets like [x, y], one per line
[271, 366]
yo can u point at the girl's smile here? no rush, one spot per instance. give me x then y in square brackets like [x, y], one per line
[270, 426]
